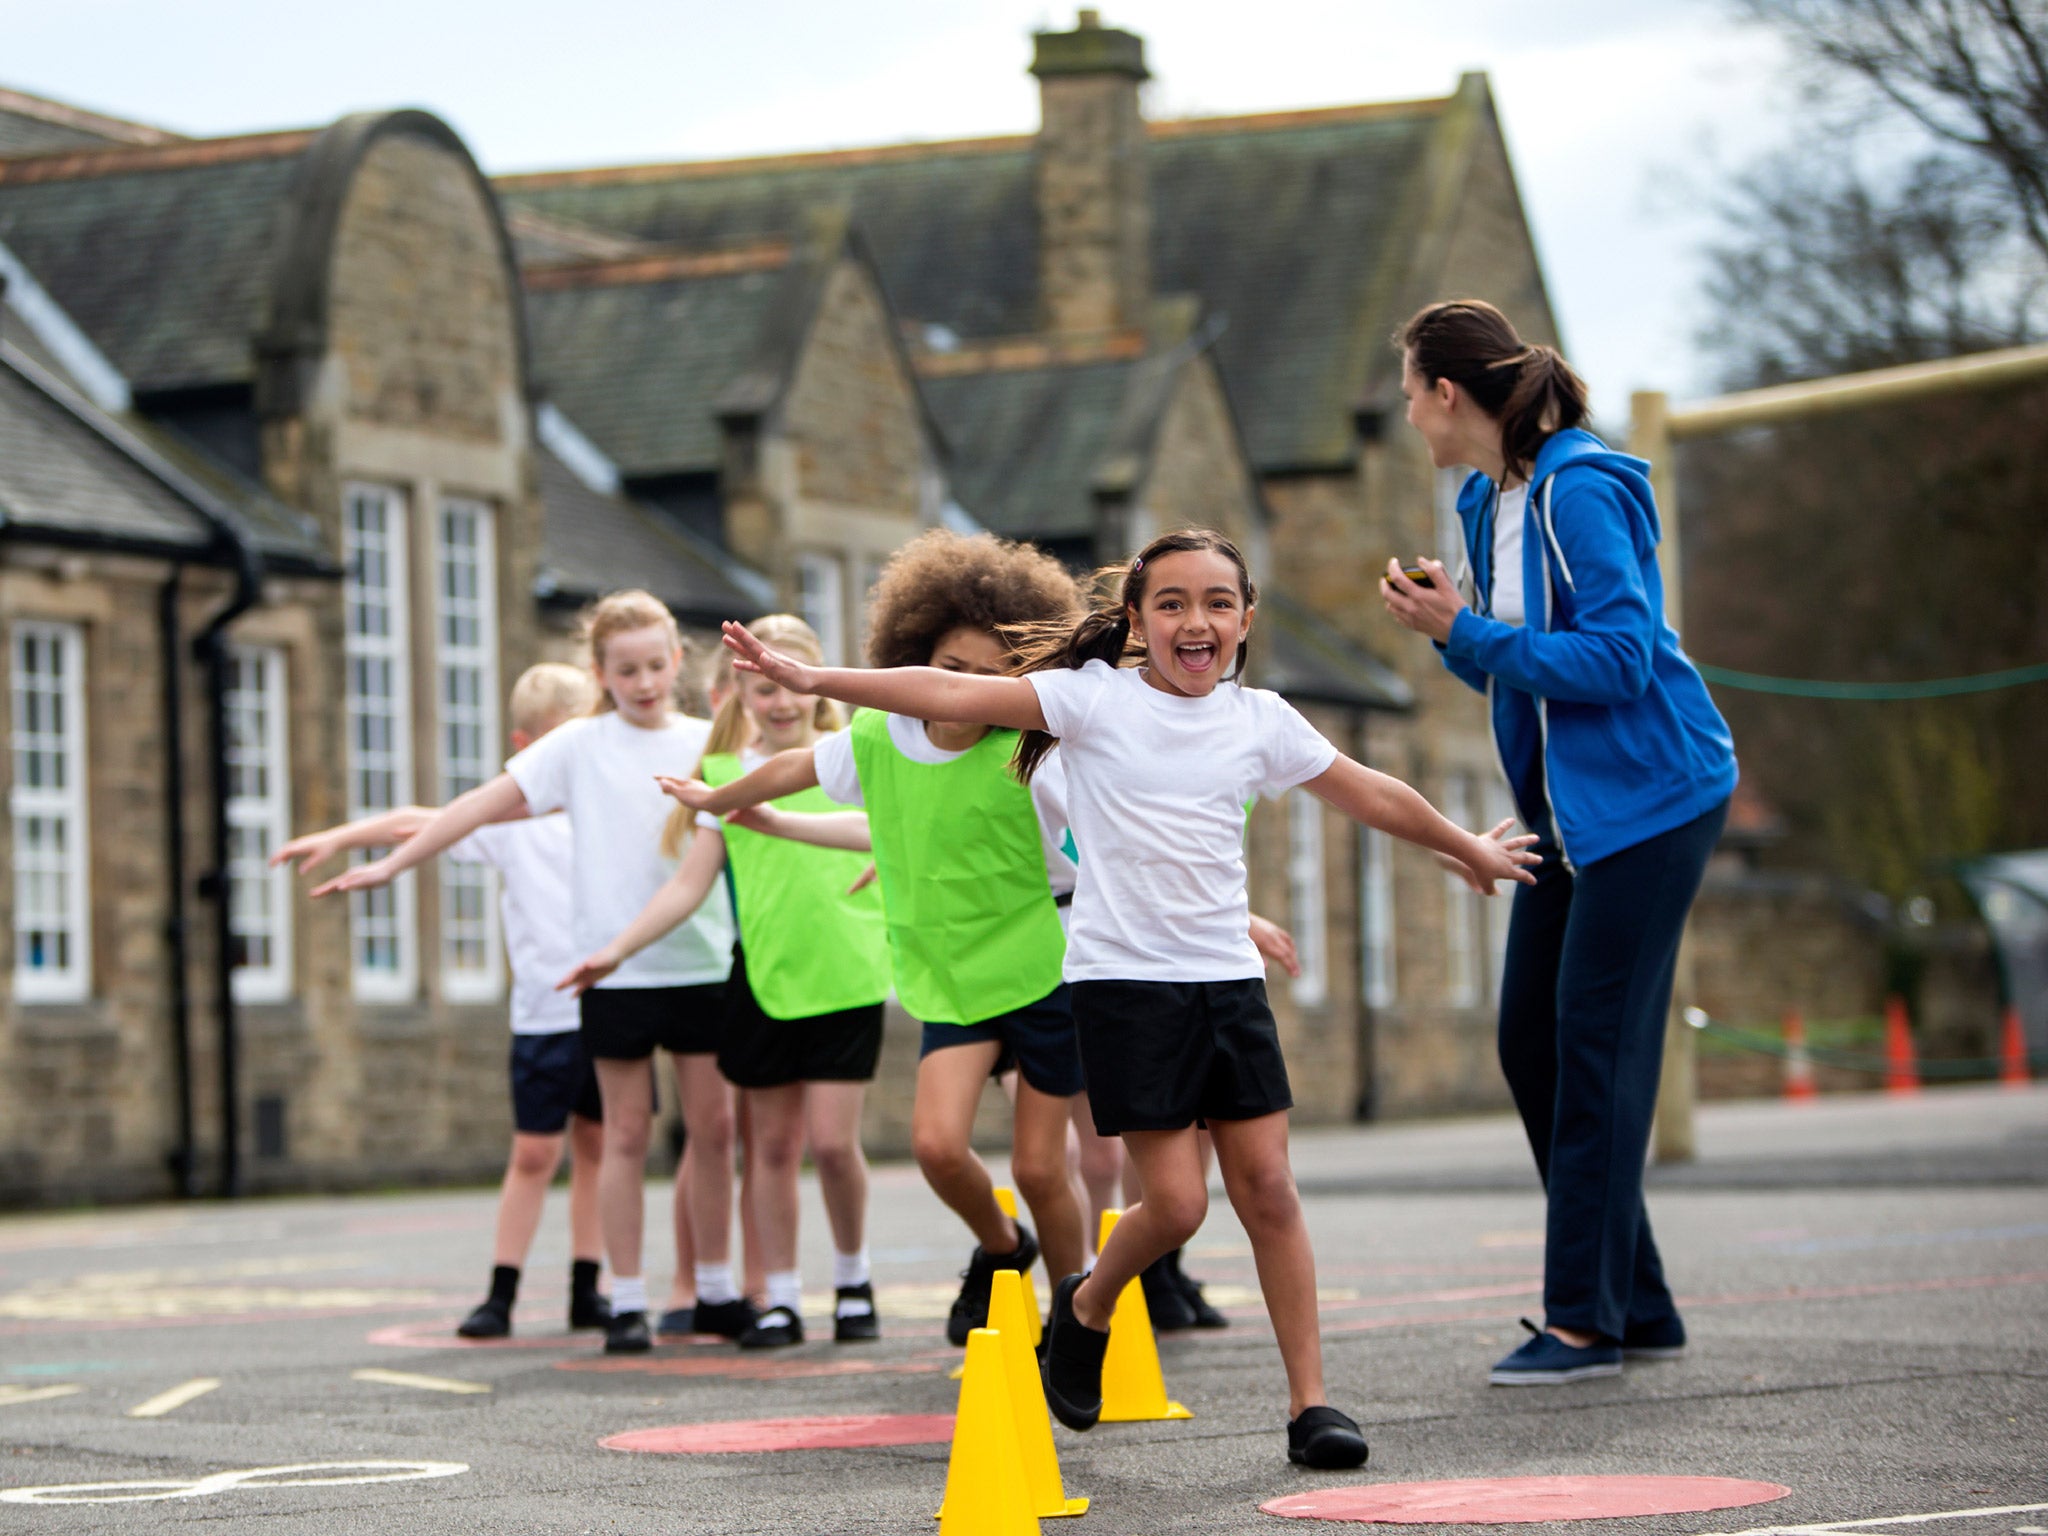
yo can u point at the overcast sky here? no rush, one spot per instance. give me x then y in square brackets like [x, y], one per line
[1622, 115]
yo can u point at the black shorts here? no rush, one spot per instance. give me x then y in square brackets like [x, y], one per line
[759, 1052]
[551, 1080]
[1162, 1055]
[1037, 1040]
[627, 1023]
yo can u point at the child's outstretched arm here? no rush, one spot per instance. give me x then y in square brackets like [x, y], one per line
[925, 693]
[1382, 801]
[680, 896]
[500, 799]
[386, 829]
[786, 773]
[846, 831]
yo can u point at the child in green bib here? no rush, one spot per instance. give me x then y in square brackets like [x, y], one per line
[803, 1027]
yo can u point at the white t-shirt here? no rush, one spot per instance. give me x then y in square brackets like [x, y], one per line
[1507, 602]
[533, 858]
[839, 777]
[1156, 790]
[601, 771]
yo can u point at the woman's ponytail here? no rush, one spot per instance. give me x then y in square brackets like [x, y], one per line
[1530, 390]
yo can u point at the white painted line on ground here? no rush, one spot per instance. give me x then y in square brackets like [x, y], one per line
[164, 1402]
[424, 1383]
[1851, 1527]
[10, 1395]
[222, 1482]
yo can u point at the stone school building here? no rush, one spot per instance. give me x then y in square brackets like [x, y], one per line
[311, 440]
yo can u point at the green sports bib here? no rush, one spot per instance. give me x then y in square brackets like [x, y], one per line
[811, 948]
[972, 925]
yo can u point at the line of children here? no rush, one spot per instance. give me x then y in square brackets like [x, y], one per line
[554, 1089]
[601, 769]
[1168, 995]
[803, 1029]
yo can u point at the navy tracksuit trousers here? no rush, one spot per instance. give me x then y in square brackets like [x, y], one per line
[1584, 996]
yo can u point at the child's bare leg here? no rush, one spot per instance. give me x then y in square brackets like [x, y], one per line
[1038, 1162]
[774, 1158]
[1101, 1166]
[1169, 1169]
[528, 1172]
[586, 1156]
[832, 1116]
[708, 1122]
[753, 1270]
[682, 1291]
[1253, 1154]
[949, 1086]
[621, 1176]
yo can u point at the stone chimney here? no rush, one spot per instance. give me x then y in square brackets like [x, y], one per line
[1093, 195]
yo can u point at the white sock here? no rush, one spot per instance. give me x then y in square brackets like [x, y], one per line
[715, 1284]
[849, 1269]
[786, 1289]
[629, 1293]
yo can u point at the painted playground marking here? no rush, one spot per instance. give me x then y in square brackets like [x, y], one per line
[177, 1397]
[733, 1365]
[829, 1433]
[441, 1334]
[1854, 1527]
[422, 1383]
[1522, 1500]
[153, 1490]
[10, 1395]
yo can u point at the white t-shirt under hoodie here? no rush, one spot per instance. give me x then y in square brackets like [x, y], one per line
[1157, 785]
[533, 857]
[601, 771]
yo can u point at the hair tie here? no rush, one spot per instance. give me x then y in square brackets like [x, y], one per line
[1137, 564]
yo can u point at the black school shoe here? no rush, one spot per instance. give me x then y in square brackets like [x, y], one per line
[1166, 1298]
[727, 1319]
[777, 1328]
[1073, 1361]
[1325, 1439]
[626, 1334]
[491, 1320]
[970, 1307]
[587, 1309]
[853, 1314]
[1206, 1316]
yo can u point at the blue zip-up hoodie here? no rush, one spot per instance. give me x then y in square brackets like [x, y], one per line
[1593, 685]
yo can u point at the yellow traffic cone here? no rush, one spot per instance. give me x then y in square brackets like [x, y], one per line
[986, 1494]
[1027, 1398]
[1133, 1387]
[1007, 1199]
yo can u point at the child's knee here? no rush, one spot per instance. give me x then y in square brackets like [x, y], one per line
[937, 1152]
[534, 1157]
[1265, 1197]
[1040, 1173]
[838, 1158]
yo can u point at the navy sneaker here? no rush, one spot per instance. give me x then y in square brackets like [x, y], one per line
[678, 1320]
[1653, 1341]
[1547, 1361]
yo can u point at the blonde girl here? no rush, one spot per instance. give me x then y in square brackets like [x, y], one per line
[1160, 758]
[803, 1026]
[601, 769]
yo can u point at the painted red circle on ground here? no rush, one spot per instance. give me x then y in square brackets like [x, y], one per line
[1522, 1500]
[845, 1432]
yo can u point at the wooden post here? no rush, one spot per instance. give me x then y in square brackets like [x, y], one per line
[1678, 1087]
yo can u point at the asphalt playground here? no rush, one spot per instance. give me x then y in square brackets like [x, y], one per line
[1866, 1284]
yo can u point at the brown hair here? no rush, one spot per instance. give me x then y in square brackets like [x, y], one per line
[942, 581]
[1530, 390]
[619, 613]
[1104, 632]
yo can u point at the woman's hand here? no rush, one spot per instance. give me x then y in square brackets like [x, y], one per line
[364, 877]
[691, 792]
[1276, 944]
[1430, 610]
[1496, 856]
[590, 971]
[750, 655]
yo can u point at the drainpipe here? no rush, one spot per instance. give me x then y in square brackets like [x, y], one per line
[185, 1159]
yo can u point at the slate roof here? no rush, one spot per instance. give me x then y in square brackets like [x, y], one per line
[1293, 226]
[595, 542]
[34, 124]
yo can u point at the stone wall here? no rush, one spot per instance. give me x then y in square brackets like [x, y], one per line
[1198, 478]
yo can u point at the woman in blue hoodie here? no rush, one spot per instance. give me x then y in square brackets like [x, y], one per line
[1621, 765]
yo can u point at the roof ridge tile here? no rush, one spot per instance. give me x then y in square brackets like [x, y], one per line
[181, 154]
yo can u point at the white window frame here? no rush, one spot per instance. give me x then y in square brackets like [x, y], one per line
[1378, 982]
[62, 805]
[1307, 910]
[259, 819]
[466, 724]
[377, 638]
[870, 567]
[1462, 966]
[1449, 531]
[821, 600]
[1500, 806]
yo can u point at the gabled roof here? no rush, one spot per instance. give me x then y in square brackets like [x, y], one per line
[32, 124]
[1297, 652]
[1288, 224]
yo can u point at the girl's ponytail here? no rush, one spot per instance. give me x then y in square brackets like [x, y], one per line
[1530, 390]
[1548, 398]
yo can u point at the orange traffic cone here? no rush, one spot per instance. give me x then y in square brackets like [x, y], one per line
[1133, 1386]
[2013, 1070]
[1901, 1071]
[1798, 1065]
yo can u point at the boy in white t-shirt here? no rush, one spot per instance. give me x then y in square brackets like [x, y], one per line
[554, 1089]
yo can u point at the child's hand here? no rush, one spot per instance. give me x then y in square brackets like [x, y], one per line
[757, 818]
[691, 792]
[590, 971]
[364, 877]
[865, 879]
[1276, 944]
[309, 852]
[1496, 856]
[750, 655]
